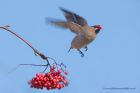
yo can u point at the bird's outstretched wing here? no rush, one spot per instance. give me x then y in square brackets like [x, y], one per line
[74, 27]
[73, 17]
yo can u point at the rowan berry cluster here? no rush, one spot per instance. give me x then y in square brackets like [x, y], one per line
[54, 79]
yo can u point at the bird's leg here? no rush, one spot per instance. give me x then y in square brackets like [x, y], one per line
[69, 49]
[86, 48]
[82, 54]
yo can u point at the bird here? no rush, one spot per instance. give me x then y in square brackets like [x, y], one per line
[85, 34]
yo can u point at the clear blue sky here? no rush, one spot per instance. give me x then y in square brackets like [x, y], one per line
[113, 59]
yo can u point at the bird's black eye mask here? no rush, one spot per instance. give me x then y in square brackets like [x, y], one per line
[98, 28]
[97, 31]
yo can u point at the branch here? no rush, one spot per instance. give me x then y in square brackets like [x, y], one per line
[6, 28]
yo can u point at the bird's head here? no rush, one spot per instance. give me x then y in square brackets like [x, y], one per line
[97, 28]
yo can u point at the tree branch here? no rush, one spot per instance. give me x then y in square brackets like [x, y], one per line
[6, 28]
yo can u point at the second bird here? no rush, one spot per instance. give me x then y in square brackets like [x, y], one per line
[85, 34]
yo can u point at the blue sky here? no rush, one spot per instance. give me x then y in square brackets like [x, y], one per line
[113, 59]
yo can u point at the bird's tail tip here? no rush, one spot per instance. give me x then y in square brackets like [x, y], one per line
[48, 20]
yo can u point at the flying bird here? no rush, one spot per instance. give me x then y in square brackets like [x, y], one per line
[85, 34]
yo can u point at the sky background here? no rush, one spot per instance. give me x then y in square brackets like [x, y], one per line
[112, 60]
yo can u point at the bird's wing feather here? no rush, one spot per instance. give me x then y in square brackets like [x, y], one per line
[76, 28]
[73, 17]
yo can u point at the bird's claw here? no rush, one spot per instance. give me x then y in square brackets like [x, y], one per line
[69, 49]
[82, 54]
[35, 53]
[86, 48]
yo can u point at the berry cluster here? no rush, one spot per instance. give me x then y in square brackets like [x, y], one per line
[51, 80]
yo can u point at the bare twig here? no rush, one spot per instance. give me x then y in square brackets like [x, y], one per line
[6, 28]
[61, 65]
[25, 65]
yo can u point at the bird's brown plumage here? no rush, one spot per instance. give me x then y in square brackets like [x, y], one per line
[77, 24]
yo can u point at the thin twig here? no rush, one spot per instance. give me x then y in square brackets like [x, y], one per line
[25, 65]
[6, 28]
[31, 65]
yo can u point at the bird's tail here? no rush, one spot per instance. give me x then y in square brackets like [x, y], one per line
[57, 22]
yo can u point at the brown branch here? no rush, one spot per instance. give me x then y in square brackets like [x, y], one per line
[6, 28]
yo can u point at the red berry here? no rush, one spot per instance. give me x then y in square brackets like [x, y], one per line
[59, 71]
[54, 67]
[66, 73]
[51, 80]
